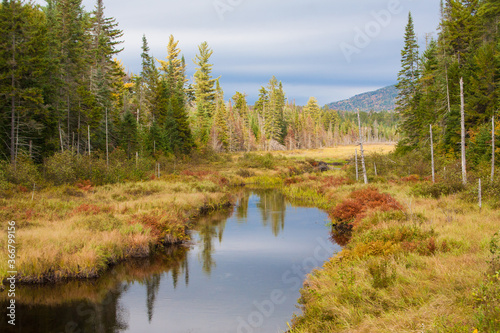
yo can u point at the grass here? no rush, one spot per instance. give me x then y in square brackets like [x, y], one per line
[338, 153]
[417, 257]
[66, 232]
[412, 264]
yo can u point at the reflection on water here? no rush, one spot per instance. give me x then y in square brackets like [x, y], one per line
[221, 283]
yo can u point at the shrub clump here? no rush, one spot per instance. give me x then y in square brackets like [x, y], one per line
[250, 160]
[164, 228]
[360, 202]
[487, 295]
[427, 189]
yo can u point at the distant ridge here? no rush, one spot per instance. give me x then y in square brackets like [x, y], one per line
[378, 100]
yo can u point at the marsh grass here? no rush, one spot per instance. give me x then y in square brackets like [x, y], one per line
[424, 265]
[418, 267]
[61, 235]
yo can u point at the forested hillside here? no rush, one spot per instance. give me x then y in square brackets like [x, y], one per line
[467, 49]
[383, 99]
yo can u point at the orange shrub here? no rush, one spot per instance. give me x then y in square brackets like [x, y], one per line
[360, 202]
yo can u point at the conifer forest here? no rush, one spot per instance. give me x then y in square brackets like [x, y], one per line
[64, 88]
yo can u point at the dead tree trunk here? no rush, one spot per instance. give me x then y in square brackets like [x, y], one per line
[107, 146]
[362, 151]
[88, 138]
[462, 121]
[356, 161]
[492, 149]
[432, 156]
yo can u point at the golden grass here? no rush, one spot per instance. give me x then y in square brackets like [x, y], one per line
[61, 235]
[339, 152]
[403, 290]
[431, 292]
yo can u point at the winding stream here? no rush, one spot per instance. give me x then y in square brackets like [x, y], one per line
[242, 274]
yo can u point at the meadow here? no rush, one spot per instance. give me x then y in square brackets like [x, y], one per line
[416, 257]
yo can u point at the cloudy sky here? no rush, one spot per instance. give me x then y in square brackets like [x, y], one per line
[329, 49]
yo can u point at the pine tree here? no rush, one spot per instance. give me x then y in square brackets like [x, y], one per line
[461, 28]
[72, 41]
[407, 80]
[204, 92]
[146, 84]
[22, 52]
[273, 115]
[170, 103]
[220, 130]
[240, 105]
[312, 108]
[104, 35]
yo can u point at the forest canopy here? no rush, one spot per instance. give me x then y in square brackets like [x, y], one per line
[62, 89]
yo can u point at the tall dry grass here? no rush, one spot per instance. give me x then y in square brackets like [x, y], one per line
[69, 232]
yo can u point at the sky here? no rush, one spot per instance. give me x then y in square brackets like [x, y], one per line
[329, 49]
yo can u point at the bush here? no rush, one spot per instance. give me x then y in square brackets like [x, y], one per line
[436, 190]
[245, 173]
[382, 271]
[4, 183]
[251, 160]
[353, 209]
[100, 222]
[60, 168]
[487, 295]
[24, 173]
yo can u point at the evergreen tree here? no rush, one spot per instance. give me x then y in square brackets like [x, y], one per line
[220, 130]
[146, 84]
[407, 80]
[22, 55]
[461, 28]
[105, 35]
[204, 92]
[170, 103]
[312, 108]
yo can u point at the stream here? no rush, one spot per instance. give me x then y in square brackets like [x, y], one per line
[242, 273]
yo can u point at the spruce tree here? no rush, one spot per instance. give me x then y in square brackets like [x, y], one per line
[22, 55]
[204, 92]
[407, 79]
[104, 35]
[220, 128]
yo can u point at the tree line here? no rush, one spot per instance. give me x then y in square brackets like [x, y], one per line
[62, 89]
[458, 71]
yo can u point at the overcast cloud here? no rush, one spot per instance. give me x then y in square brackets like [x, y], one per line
[327, 49]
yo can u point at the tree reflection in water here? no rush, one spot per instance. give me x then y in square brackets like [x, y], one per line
[94, 306]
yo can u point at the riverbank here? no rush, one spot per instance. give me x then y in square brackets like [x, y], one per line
[70, 232]
[411, 263]
[77, 231]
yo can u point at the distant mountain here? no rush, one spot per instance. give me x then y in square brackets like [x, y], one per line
[378, 100]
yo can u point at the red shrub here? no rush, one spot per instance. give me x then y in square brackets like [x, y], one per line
[89, 209]
[371, 198]
[332, 181]
[347, 211]
[188, 173]
[292, 180]
[360, 202]
[411, 179]
[85, 185]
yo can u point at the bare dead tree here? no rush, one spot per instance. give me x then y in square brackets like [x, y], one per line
[462, 121]
[362, 151]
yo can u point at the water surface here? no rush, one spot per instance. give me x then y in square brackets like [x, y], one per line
[242, 274]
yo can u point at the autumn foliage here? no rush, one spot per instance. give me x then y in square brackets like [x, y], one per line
[360, 202]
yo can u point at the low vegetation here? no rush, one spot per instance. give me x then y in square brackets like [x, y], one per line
[417, 255]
